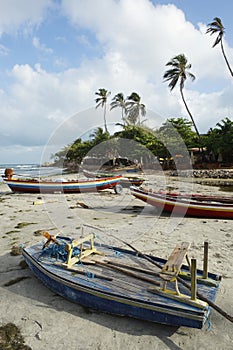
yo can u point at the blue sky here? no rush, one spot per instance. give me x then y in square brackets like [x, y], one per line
[54, 56]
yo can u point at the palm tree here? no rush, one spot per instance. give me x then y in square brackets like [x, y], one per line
[135, 108]
[102, 101]
[98, 136]
[119, 101]
[217, 27]
[179, 72]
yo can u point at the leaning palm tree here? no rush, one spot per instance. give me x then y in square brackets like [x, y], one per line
[179, 72]
[102, 101]
[217, 27]
[135, 108]
[119, 101]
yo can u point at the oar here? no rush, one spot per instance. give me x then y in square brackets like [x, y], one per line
[134, 268]
[127, 272]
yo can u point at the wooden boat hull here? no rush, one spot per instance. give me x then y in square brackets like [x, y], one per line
[131, 181]
[120, 296]
[179, 205]
[126, 180]
[30, 186]
[123, 170]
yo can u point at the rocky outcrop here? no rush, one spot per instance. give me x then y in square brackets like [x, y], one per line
[205, 173]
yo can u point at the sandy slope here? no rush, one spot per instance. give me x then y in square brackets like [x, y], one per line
[49, 322]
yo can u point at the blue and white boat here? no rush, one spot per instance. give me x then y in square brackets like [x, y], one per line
[30, 185]
[123, 282]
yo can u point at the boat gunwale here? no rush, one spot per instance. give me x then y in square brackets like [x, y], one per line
[181, 202]
[61, 183]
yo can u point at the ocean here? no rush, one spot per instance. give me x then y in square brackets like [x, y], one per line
[30, 170]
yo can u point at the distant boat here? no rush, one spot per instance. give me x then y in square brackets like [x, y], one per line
[61, 186]
[121, 165]
[126, 180]
[189, 205]
[121, 282]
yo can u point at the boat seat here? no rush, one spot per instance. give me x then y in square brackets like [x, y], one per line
[173, 265]
[84, 251]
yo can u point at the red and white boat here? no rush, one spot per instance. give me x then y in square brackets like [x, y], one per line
[187, 204]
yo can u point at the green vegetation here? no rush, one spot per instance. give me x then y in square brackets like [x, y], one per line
[218, 142]
[16, 250]
[102, 101]
[135, 109]
[119, 101]
[11, 338]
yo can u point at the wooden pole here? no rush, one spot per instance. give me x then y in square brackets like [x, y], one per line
[193, 279]
[205, 262]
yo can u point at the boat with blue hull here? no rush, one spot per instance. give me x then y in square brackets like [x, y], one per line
[30, 185]
[119, 281]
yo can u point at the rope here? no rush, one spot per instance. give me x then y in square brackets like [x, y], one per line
[209, 323]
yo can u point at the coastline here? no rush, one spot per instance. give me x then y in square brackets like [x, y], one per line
[51, 322]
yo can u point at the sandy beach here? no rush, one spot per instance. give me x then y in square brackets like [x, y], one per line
[48, 321]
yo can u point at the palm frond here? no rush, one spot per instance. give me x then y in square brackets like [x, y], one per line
[216, 27]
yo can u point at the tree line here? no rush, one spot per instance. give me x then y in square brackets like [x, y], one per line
[217, 144]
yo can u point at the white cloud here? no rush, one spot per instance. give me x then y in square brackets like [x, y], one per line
[15, 14]
[3, 50]
[139, 39]
[42, 47]
[136, 39]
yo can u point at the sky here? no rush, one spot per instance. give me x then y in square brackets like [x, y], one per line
[55, 54]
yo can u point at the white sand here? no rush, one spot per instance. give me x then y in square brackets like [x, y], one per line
[48, 321]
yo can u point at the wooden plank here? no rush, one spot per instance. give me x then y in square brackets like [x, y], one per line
[125, 265]
[85, 272]
[183, 298]
[81, 240]
[200, 280]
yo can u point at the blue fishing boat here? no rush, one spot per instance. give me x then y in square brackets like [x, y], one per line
[123, 282]
[30, 185]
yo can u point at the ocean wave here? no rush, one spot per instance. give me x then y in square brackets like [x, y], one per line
[30, 170]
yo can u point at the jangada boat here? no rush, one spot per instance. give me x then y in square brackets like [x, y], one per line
[125, 282]
[126, 179]
[187, 204]
[61, 186]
